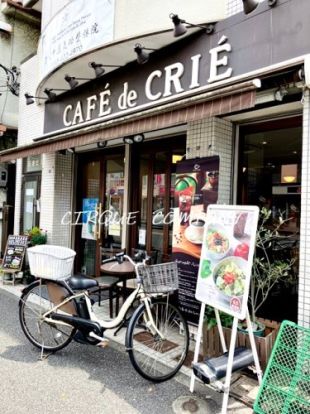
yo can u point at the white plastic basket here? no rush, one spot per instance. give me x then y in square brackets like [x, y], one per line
[51, 262]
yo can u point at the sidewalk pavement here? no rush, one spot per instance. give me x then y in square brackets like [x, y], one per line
[243, 389]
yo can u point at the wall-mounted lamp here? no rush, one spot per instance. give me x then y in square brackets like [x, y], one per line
[99, 68]
[289, 173]
[133, 139]
[73, 82]
[250, 5]
[180, 28]
[102, 144]
[30, 99]
[50, 94]
[71, 150]
[142, 57]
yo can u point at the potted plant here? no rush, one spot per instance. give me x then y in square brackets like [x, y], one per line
[267, 270]
[36, 236]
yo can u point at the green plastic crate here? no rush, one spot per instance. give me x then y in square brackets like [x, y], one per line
[285, 388]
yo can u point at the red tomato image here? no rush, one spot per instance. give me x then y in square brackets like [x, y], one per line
[242, 250]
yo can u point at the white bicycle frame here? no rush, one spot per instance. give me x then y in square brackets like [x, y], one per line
[117, 321]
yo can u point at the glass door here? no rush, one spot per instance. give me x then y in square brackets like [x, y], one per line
[100, 199]
[154, 198]
[31, 203]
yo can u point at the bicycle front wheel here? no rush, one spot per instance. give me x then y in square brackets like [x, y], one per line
[34, 302]
[158, 344]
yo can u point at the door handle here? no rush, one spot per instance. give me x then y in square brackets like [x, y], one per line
[98, 219]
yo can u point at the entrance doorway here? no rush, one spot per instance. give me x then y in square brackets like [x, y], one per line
[152, 196]
[100, 194]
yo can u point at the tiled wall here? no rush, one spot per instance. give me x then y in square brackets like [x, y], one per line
[56, 197]
[213, 136]
[30, 125]
[304, 258]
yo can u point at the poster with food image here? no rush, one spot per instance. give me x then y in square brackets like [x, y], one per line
[226, 258]
[195, 186]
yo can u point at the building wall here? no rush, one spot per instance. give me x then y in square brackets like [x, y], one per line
[14, 47]
[30, 126]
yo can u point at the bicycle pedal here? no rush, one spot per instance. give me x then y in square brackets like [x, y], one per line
[104, 343]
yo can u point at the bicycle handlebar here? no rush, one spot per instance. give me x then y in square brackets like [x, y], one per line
[119, 258]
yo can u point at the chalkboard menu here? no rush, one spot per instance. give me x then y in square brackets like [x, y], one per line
[14, 253]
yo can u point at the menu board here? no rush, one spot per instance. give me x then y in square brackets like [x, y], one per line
[227, 258]
[14, 253]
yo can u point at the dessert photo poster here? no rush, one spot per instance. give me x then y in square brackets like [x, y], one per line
[227, 257]
[196, 186]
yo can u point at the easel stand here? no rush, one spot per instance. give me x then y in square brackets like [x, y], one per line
[13, 273]
[218, 368]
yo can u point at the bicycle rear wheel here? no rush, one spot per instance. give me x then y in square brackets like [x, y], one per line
[34, 302]
[154, 357]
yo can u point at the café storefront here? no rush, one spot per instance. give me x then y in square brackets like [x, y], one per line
[236, 94]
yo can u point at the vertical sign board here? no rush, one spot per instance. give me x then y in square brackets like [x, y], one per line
[196, 186]
[14, 253]
[227, 258]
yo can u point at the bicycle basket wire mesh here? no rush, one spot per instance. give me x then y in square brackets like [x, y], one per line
[51, 262]
[159, 278]
[285, 387]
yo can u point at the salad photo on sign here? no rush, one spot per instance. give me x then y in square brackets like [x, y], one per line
[227, 258]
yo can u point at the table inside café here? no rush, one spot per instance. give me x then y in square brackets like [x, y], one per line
[123, 271]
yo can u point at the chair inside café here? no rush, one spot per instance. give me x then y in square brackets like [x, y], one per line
[109, 283]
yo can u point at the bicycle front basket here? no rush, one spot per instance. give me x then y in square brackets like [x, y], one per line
[51, 262]
[160, 278]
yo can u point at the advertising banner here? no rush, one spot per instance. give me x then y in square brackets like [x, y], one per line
[227, 257]
[89, 218]
[196, 186]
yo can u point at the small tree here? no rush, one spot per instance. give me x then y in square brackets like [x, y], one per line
[267, 271]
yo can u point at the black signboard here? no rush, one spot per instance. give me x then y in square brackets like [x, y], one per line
[14, 253]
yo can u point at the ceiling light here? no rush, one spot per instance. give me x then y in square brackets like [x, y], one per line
[133, 139]
[289, 173]
[280, 93]
[180, 28]
[71, 150]
[102, 144]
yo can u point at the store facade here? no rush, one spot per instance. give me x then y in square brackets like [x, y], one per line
[240, 93]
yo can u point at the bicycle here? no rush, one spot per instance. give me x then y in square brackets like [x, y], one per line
[53, 311]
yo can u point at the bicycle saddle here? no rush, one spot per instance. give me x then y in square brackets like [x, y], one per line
[80, 282]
